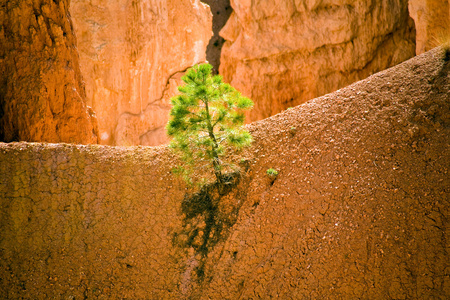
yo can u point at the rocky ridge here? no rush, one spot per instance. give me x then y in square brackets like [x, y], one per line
[359, 209]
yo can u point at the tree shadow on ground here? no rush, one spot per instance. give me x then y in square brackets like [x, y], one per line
[207, 218]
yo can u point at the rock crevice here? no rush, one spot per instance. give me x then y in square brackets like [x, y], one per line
[221, 11]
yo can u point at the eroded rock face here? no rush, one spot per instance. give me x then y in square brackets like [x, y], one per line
[281, 53]
[432, 19]
[42, 96]
[131, 54]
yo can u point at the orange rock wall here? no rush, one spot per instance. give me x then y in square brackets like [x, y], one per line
[132, 54]
[432, 20]
[42, 96]
[281, 53]
[359, 210]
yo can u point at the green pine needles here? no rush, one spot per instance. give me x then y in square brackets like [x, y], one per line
[206, 121]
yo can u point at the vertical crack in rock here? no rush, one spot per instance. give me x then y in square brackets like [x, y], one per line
[221, 11]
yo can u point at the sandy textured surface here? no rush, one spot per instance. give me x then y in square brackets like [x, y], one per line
[359, 209]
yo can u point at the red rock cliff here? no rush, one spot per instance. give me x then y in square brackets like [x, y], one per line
[42, 97]
[132, 56]
[281, 53]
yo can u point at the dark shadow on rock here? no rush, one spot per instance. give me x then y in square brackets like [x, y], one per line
[221, 11]
[207, 218]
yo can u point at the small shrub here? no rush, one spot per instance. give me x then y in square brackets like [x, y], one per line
[272, 172]
[206, 124]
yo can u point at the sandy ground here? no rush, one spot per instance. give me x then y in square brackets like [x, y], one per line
[359, 209]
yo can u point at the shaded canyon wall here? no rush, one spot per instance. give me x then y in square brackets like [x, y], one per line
[281, 53]
[359, 210]
[132, 55]
[42, 95]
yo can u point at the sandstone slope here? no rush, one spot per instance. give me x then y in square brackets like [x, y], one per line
[132, 55]
[359, 210]
[281, 53]
[42, 96]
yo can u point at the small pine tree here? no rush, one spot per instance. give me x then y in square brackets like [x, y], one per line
[206, 120]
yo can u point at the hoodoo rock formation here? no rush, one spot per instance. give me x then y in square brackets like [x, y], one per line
[42, 96]
[281, 53]
[432, 20]
[132, 53]
[359, 209]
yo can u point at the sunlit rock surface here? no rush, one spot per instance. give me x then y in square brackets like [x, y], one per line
[42, 97]
[281, 53]
[131, 54]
